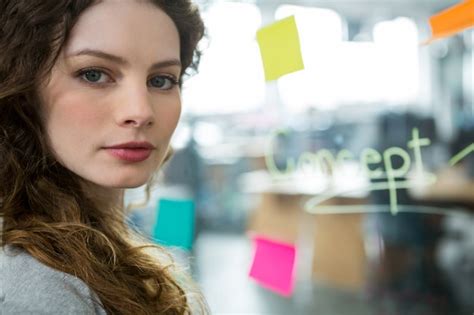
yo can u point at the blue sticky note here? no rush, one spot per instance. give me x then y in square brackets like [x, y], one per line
[174, 225]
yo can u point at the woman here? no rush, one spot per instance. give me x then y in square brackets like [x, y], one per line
[89, 98]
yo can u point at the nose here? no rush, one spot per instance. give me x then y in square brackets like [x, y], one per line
[136, 107]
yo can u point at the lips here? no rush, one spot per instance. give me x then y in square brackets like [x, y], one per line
[133, 145]
[130, 155]
[131, 151]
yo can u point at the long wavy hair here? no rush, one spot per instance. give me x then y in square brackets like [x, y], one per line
[44, 208]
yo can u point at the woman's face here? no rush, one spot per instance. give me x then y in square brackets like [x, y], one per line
[114, 82]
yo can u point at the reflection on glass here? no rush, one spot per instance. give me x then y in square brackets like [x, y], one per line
[364, 161]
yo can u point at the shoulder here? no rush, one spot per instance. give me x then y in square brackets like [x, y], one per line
[29, 287]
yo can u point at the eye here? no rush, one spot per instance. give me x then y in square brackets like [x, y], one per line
[92, 75]
[163, 82]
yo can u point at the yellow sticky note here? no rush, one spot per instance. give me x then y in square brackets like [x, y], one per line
[452, 20]
[280, 48]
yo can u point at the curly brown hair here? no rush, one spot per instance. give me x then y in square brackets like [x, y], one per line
[43, 206]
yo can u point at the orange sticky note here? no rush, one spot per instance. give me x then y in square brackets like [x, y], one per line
[452, 20]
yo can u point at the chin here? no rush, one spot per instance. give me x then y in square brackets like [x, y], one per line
[125, 182]
[132, 183]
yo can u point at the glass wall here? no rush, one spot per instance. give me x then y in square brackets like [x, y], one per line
[343, 188]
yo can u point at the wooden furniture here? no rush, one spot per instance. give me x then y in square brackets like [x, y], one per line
[453, 188]
[331, 245]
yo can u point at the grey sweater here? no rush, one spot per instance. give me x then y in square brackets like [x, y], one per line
[29, 287]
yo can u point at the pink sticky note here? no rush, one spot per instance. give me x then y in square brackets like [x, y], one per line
[273, 265]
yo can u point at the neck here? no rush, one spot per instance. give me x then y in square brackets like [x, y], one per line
[104, 197]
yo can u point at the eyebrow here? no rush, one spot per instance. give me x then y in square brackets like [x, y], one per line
[121, 61]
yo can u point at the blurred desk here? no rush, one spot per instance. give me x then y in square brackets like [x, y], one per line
[453, 188]
[336, 240]
[305, 184]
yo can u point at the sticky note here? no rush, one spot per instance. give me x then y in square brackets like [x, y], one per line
[280, 48]
[452, 20]
[273, 265]
[175, 223]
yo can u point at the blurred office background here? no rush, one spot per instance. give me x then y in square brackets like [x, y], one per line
[367, 83]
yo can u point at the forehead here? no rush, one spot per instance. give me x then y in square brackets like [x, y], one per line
[137, 29]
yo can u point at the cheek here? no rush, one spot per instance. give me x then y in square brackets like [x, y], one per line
[74, 118]
[168, 117]
[84, 103]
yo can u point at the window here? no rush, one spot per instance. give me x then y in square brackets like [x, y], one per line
[230, 77]
[337, 72]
